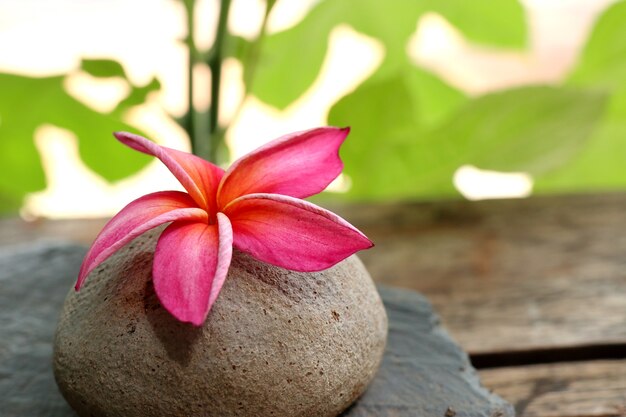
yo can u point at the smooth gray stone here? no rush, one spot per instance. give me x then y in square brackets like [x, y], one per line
[276, 342]
[424, 373]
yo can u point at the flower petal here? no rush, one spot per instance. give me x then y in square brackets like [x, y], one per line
[139, 216]
[299, 165]
[190, 264]
[292, 233]
[199, 177]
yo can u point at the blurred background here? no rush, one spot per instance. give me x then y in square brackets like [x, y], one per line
[446, 99]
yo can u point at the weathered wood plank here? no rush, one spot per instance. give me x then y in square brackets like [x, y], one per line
[423, 373]
[14, 230]
[541, 273]
[574, 389]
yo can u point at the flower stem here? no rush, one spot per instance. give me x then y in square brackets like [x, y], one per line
[198, 146]
[215, 65]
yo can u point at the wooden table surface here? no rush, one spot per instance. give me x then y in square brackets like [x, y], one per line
[534, 290]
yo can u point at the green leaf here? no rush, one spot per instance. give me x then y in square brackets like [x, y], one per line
[103, 68]
[602, 65]
[234, 47]
[531, 129]
[390, 155]
[138, 95]
[391, 22]
[435, 100]
[291, 60]
[603, 61]
[374, 121]
[21, 165]
[384, 120]
[499, 23]
[27, 103]
[386, 115]
[600, 165]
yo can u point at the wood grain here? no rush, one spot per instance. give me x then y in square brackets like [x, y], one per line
[581, 389]
[516, 275]
[14, 231]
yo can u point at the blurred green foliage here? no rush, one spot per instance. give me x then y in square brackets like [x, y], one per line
[27, 103]
[530, 129]
[291, 60]
[410, 130]
[602, 67]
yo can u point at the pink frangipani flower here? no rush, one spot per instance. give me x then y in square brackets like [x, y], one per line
[254, 206]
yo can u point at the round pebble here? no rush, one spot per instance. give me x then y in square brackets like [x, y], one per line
[276, 342]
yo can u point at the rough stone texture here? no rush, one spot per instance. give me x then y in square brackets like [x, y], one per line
[423, 372]
[276, 342]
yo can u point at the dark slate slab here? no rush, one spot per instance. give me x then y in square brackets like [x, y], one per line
[424, 373]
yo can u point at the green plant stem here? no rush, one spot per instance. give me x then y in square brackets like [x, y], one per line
[199, 146]
[215, 65]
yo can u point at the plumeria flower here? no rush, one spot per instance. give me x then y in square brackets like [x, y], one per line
[254, 206]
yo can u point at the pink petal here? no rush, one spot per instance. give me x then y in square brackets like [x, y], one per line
[292, 233]
[299, 165]
[190, 265]
[136, 218]
[199, 177]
